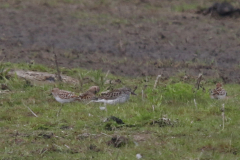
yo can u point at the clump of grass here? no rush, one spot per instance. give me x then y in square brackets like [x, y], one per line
[181, 92]
[154, 97]
[185, 7]
[98, 77]
[4, 71]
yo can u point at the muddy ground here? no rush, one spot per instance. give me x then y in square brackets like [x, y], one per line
[133, 38]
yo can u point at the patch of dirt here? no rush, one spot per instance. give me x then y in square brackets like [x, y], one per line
[127, 38]
[42, 77]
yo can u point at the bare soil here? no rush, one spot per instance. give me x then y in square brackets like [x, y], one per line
[135, 38]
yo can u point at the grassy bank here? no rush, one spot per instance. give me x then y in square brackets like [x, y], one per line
[192, 131]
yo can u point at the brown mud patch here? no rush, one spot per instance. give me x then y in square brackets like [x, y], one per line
[137, 38]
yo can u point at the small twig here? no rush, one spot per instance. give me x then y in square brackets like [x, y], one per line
[153, 107]
[56, 62]
[105, 134]
[144, 87]
[195, 103]
[156, 81]
[122, 49]
[44, 152]
[67, 146]
[171, 43]
[135, 88]
[58, 146]
[223, 115]
[199, 79]
[107, 74]
[80, 80]
[30, 110]
[89, 102]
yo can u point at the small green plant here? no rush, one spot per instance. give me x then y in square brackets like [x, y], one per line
[154, 97]
[81, 76]
[98, 78]
[185, 7]
[3, 71]
[181, 92]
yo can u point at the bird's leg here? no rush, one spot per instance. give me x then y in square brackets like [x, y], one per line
[105, 105]
[58, 113]
[89, 102]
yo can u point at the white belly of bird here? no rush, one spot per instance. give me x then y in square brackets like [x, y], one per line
[221, 96]
[218, 96]
[63, 100]
[120, 99]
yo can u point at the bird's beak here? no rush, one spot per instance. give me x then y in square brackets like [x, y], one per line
[132, 93]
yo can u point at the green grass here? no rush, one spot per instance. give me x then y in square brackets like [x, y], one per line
[196, 133]
[185, 7]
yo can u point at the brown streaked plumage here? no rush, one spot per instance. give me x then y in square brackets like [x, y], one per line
[90, 94]
[218, 92]
[120, 95]
[63, 96]
[93, 89]
[86, 97]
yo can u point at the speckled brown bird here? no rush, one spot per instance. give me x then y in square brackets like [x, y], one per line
[218, 92]
[90, 94]
[63, 96]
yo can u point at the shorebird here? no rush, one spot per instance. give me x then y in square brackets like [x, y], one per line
[63, 96]
[90, 94]
[120, 95]
[218, 92]
[93, 89]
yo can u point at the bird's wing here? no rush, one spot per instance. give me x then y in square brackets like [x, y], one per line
[87, 96]
[110, 95]
[66, 94]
